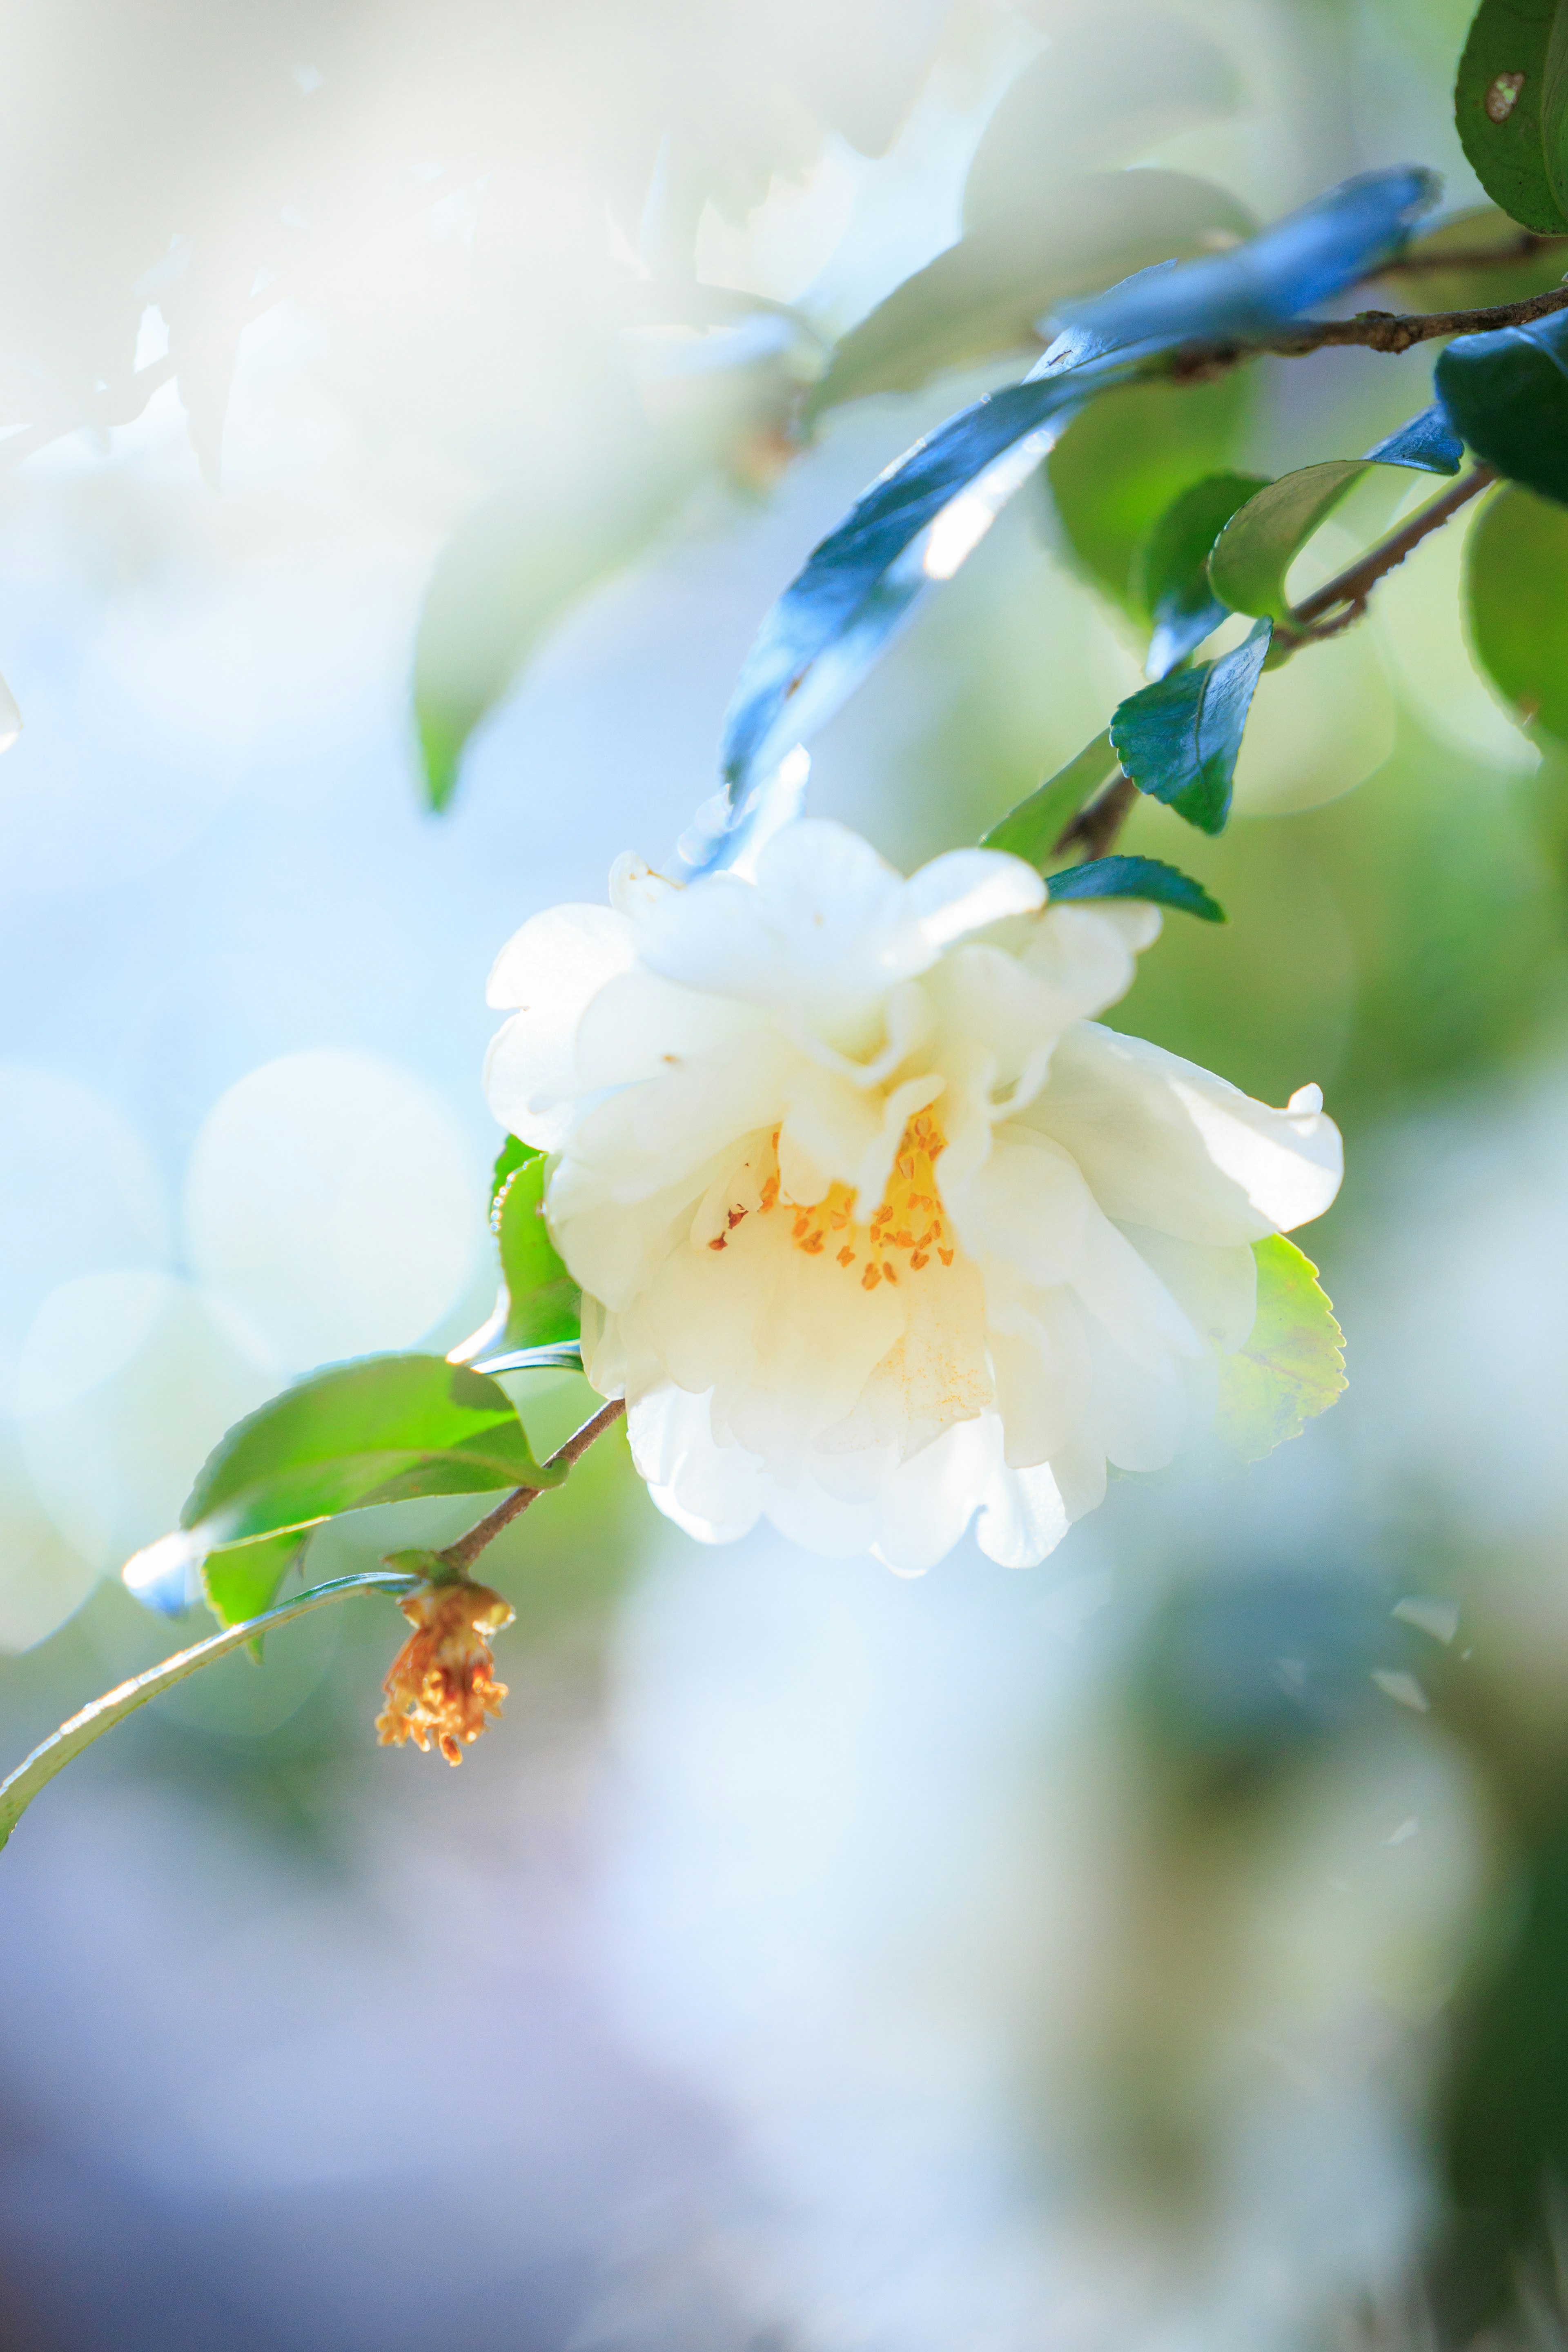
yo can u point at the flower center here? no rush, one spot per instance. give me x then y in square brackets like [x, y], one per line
[905, 1231]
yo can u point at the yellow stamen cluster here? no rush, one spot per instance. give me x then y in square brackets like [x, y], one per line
[907, 1226]
[442, 1686]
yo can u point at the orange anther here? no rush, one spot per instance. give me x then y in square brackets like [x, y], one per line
[945, 1255]
[846, 1256]
[871, 1278]
[920, 1259]
[722, 1243]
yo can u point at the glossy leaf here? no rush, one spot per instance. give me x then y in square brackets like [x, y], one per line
[988, 293]
[544, 1305]
[239, 1581]
[1256, 548]
[510, 572]
[1150, 76]
[1033, 829]
[917, 523]
[1179, 738]
[513, 1154]
[1176, 589]
[1292, 1365]
[52, 1755]
[1425, 441]
[1303, 261]
[1137, 877]
[382, 1430]
[1516, 588]
[1118, 466]
[1510, 108]
[1507, 395]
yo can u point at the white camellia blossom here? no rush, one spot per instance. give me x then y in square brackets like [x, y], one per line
[876, 1228]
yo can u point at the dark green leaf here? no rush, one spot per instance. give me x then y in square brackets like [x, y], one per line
[1424, 441]
[242, 1580]
[1176, 590]
[544, 1305]
[1507, 395]
[1119, 465]
[513, 1154]
[1292, 1365]
[1033, 829]
[1258, 545]
[509, 575]
[1516, 584]
[988, 293]
[1137, 877]
[1474, 284]
[382, 1430]
[1179, 738]
[1151, 76]
[1508, 106]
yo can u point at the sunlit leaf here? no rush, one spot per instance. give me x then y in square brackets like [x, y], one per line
[1255, 551]
[1179, 738]
[544, 1305]
[1143, 76]
[1176, 590]
[382, 1430]
[1507, 395]
[1511, 107]
[1137, 877]
[1119, 465]
[1032, 830]
[1292, 1365]
[1516, 586]
[990, 292]
[513, 1154]
[239, 1581]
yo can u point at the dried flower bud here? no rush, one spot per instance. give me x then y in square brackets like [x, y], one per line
[441, 1685]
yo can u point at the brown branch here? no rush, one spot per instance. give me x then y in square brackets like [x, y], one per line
[459, 1557]
[1352, 586]
[1423, 262]
[1098, 825]
[1392, 330]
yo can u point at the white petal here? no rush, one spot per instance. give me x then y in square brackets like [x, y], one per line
[1024, 1518]
[550, 970]
[639, 1026]
[635, 888]
[1164, 1143]
[1216, 1289]
[965, 890]
[715, 1492]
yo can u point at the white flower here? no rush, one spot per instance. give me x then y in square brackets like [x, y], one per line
[875, 1228]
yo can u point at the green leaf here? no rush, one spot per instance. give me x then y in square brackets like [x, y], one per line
[242, 1580]
[988, 293]
[544, 1305]
[1175, 588]
[514, 1153]
[1032, 830]
[18, 1789]
[1292, 1365]
[511, 572]
[1136, 878]
[1481, 230]
[1511, 107]
[1516, 591]
[1150, 77]
[382, 1430]
[1261, 541]
[1119, 465]
[1507, 393]
[1179, 738]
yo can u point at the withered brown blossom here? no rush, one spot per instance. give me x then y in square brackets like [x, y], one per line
[442, 1685]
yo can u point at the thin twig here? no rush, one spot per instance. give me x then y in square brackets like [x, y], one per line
[1098, 825]
[1424, 262]
[1355, 584]
[1394, 330]
[460, 1556]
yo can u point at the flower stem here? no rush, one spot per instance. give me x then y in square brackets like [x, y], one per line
[459, 1557]
[1352, 586]
[62, 1747]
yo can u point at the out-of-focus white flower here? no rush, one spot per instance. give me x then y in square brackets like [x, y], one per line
[875, 1228]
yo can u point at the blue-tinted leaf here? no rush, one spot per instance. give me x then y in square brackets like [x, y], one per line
[1304, 259]
[916, 524]
[1137, 877]
[1177, 590]
[1179, 738]
[1032, 830]
[1507, 395]
[1426, 441]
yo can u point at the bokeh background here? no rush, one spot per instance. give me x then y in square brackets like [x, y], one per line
[1165, 1949]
